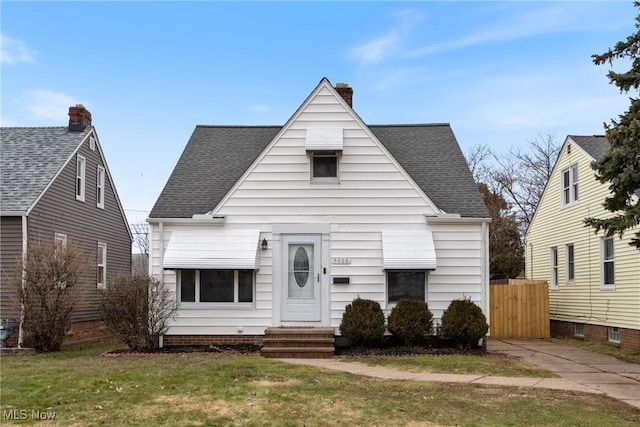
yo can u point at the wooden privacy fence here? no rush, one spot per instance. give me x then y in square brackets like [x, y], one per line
[519, 309]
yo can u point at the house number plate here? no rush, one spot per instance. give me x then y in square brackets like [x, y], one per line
[340, 261]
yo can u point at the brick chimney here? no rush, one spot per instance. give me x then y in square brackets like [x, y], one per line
[345, 92]
[79, 118]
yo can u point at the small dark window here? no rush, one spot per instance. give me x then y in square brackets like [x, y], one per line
[216, 286]
[406, 284]
[324, 164]
[245, 286]
[188, 285]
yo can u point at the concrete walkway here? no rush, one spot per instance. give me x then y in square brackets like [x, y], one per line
[577, 370]
[598, 372]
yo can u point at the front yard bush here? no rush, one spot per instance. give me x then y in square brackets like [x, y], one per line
[47, 282]
[464, 323]
[363, 322]
[136, 309]
[412, 321]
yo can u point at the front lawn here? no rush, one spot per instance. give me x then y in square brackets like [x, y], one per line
[490, 364]
[80, 387]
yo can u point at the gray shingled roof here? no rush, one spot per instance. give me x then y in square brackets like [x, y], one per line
[432, 157]
[29, 159]
[216, 157]
[596, 145]
[213, 160]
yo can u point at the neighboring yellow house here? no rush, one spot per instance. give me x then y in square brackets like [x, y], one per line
[594, 281]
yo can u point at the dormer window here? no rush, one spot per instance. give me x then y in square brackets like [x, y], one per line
[324, 146]
[324, 165]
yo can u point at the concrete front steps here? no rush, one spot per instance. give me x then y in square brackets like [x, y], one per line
[299, 343]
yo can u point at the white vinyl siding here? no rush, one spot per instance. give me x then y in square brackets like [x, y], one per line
[374, 194]
[585, 301]
[100, 187]
[81, 170]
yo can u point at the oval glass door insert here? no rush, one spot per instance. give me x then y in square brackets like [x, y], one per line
[301, 267]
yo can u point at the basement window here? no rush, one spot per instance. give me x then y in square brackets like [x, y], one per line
[614, 334]
[579, 330]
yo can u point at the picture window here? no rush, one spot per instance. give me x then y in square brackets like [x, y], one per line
[216, 286]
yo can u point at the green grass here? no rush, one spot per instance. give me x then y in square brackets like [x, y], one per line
[84, 388]
[494, 365]
[625, 354]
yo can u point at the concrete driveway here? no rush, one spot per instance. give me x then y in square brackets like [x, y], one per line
[601, 373]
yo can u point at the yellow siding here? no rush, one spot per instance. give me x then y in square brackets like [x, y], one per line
[582, 300]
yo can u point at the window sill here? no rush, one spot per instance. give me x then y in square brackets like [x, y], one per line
[333, 181]
[568, 205]
[216, 305]
[607, 287]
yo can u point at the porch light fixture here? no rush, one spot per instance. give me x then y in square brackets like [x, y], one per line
[264, 244]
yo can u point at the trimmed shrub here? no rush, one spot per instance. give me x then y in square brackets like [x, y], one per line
[464, 323]
[412, 321]
[137, 310]
[363, 322]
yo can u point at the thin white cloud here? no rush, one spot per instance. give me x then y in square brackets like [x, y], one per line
[260, 108]
[387, 44]
[47, 105]
[539, 20]
[13, 51]
[7, 122]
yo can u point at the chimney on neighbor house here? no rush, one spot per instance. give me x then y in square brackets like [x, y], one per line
[345, 92]
[79, 118]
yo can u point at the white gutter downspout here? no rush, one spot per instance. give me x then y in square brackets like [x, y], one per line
[485, 272]
[25, 239]
[161, 262]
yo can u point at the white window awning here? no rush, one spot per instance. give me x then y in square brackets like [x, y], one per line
[408, 250]
[212, 249]
[324, 139]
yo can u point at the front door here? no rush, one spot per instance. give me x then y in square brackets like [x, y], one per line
[302, 278]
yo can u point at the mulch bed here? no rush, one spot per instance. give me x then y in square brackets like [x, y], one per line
[387, 347]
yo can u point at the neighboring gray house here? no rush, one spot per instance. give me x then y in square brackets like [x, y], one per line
[55, 184]
[272, 226]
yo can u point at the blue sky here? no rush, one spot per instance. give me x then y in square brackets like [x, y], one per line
[501, 73]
